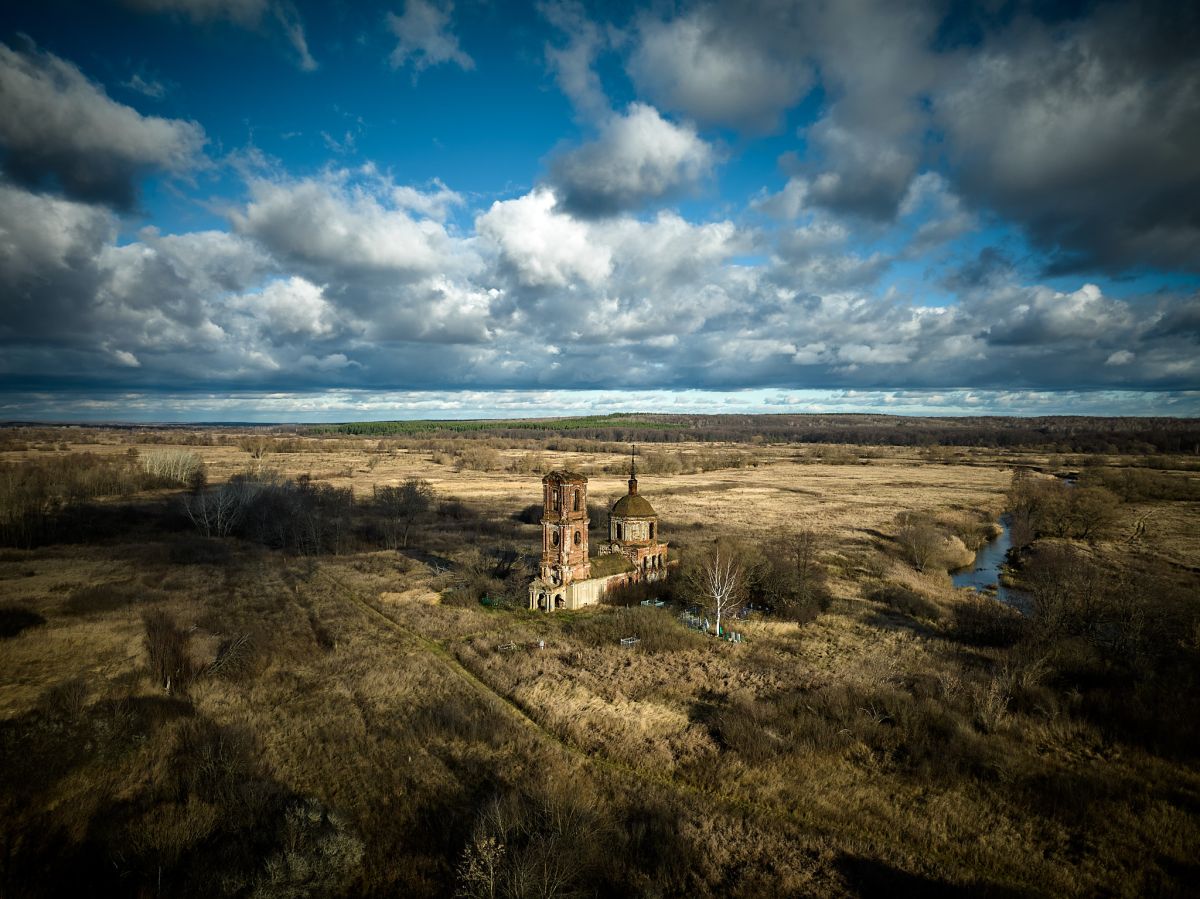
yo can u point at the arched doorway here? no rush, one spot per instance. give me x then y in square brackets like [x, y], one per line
[558, 601]
[542, 599]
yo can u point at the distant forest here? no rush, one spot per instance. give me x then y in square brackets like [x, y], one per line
[1078, 434]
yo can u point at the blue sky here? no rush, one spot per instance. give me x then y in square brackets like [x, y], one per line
[267, 210]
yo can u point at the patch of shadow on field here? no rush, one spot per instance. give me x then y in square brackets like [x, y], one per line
[803, 491]
[15, 619]
[95, 599]
[895, 621]
[878, 535]
[870, 878]
[433, 560]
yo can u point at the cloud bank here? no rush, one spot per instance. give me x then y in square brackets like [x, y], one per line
[997, 204]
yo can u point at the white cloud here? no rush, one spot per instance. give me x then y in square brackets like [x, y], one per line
[638, 157]
[338, 222]
[572, 64]
[147, 87]
[424, 37]
[289, 308]
[55, 122]
[788, 203]
[127, 359]
[543, 245]
[1085, 133]
[433, 204]
[1040, 315]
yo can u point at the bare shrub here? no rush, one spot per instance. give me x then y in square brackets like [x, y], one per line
[319, 855]
[169, 649]
[792, 579]
[1068, 591]
[218, 513]
[400, 508]
[478, 458]
[36, 495]
[920, 540]
[69, 698]
[172, 466]
[1049, 507]
[259, 447]
[480, 869]
[991, 705]
[542, 843]
[983, 621]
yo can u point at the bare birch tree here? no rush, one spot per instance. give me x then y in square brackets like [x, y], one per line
[720, 579]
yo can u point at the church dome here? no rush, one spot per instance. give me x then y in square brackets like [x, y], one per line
[633, 505]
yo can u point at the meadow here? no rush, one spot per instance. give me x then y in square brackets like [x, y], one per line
[314, 701]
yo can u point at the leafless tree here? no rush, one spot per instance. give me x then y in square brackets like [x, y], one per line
[791, 576]
[401, 507]
[216, 513]
[720, 580]
[169, 649]
[176, 466]
[258, 447]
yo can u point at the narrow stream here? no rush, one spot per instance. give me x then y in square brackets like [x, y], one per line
[984, 574]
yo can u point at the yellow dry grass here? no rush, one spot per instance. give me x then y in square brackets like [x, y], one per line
[378, 722]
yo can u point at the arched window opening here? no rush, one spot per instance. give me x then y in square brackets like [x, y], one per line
[620, 533]
[554, 538]
[578, 537]
[652, 530]
[558, 601]
[576, 500]
[557, 502]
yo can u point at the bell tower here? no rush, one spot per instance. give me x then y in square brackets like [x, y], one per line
[564, 528]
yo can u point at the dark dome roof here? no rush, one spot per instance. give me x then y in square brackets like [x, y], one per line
[633, 505]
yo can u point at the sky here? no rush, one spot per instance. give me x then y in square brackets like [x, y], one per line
[271, 210]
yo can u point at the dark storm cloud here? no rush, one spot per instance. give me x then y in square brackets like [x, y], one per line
[1087, 133]
[58, 129]
[1081, 124]
[1180, 320]
[50, 269]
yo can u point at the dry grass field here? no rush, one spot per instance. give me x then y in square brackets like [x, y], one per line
[356, 723]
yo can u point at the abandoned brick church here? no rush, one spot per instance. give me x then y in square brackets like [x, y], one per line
[569, 578]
